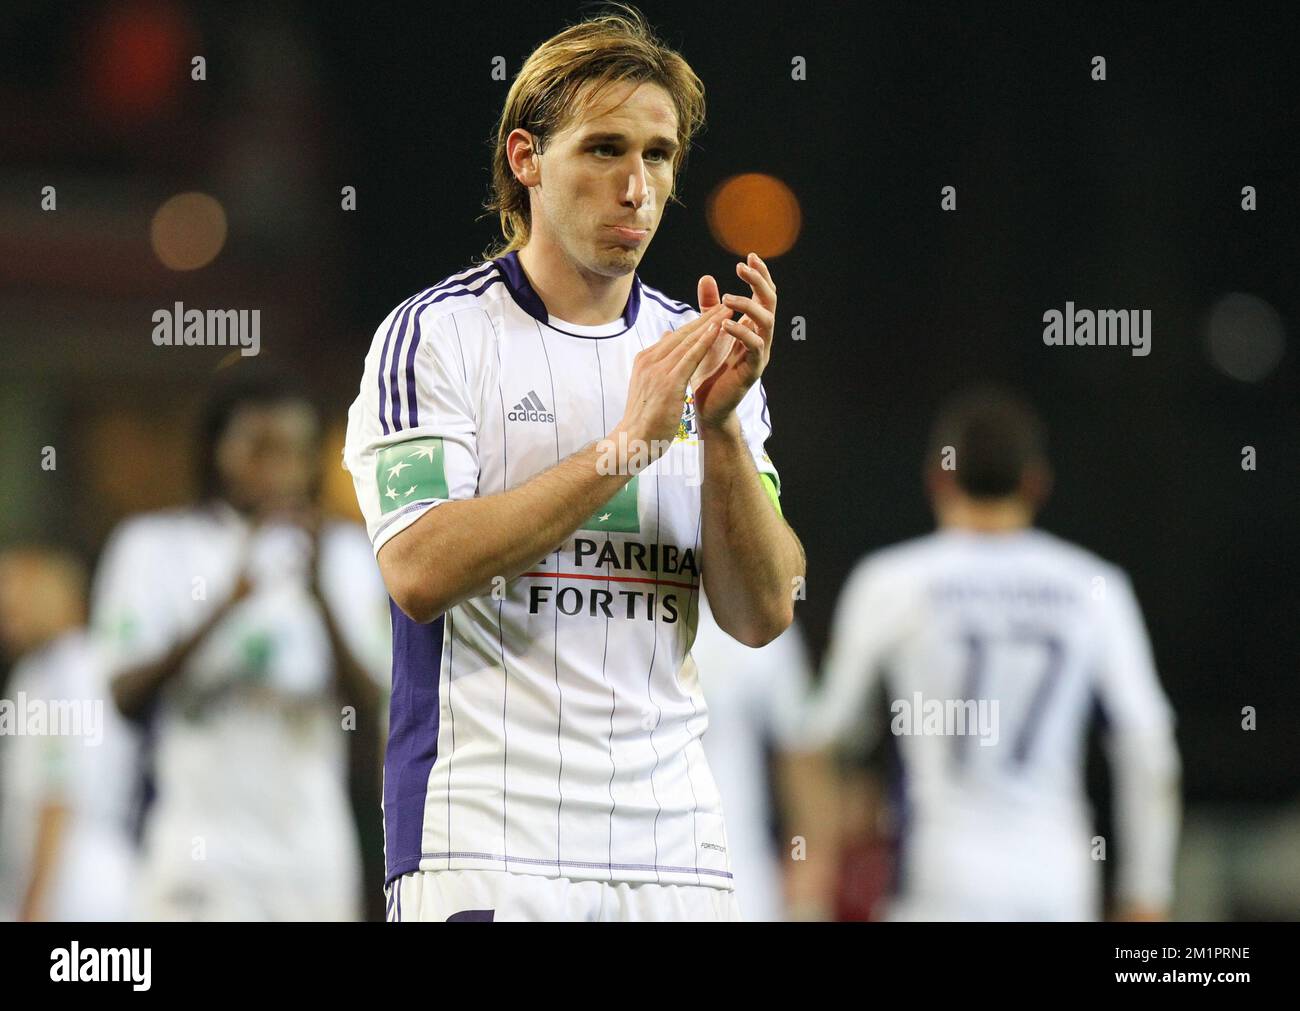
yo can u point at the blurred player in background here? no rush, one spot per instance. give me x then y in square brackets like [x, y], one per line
[551, 456]
[240, 628]
[995, 640]
[70, 782]
[756, 714]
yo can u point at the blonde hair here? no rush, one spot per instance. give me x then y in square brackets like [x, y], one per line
[603, 50]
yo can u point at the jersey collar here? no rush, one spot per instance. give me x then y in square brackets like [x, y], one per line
[512, 272]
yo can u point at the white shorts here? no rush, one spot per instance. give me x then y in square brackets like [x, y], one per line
[470, 895]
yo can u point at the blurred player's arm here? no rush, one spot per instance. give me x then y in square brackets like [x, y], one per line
[838, 722]
[51, 825]
[811, 802]
[136, 687]
[134, 622]
[802, 787]
[1143, 757]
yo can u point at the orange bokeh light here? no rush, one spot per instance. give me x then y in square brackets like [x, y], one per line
[188, 231]
[754, 213]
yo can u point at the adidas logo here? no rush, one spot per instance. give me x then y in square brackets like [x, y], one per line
[530, 408]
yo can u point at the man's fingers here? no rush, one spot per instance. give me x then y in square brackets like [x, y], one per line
[675, 339]
[708, 292]
[684, 365]
[745, 335]
[762, 268]
[760, 313]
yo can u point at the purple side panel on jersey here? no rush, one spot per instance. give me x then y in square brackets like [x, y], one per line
[414, 714]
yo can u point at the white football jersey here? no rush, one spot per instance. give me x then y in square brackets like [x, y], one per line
[994, 649]
[551, 726]
[249, 740]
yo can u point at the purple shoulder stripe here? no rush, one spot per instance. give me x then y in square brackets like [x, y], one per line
[390, 359]
[674, 307]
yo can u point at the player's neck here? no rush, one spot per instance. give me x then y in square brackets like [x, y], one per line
[997, 517]
[569, 293]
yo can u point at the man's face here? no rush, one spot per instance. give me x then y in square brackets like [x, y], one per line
[267, 456]
[607, 169]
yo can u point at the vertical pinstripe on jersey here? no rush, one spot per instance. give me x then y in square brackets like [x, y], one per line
[451, 633]
[695, 799]
[555, 639]
[604, 654]
[692, 601]
[654, 651]
[501, 637]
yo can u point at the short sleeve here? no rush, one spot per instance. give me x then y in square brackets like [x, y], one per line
[412, 430]
[131, 620]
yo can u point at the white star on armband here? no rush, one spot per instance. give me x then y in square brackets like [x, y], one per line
[423, 453]
[397, 469]
[604, 517]
[392, 493]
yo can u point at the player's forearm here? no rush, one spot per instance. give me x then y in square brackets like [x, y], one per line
[49, 838]
[750, 555]
[808, 786]
[135, 688]
[456, 550]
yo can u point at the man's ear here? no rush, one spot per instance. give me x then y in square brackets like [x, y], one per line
[521, 153]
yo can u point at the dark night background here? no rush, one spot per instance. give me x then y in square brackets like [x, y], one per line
[1117, 194]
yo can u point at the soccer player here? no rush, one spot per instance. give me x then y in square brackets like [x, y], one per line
[994, 640]
[241, 629]
[70, 763]
[551, 456]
